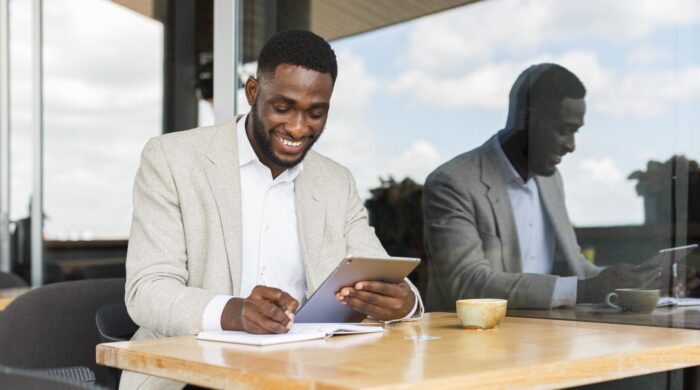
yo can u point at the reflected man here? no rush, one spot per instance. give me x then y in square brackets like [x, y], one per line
[236, 224]
[495, 220]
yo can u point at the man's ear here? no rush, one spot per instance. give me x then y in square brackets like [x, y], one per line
[251, 89]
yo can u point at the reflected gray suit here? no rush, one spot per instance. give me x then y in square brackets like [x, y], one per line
[472, 240]
[185, 242]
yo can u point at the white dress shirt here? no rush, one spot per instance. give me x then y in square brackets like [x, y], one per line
[271, 248]
[535, 233]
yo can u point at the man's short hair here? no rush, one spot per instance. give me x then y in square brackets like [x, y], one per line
[552, 86]
[541, 88]
[300, 48]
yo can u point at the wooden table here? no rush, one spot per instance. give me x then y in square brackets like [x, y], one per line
[434, 352]
[668, 317]
[7, 295]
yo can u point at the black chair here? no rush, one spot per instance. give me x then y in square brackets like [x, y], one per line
[54, 326]
[8, 280]
[17, 378]
[113, 325]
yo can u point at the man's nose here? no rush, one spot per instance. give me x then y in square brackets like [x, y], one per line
[570, 143]
[297, 126]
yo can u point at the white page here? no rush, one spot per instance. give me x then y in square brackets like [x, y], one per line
[299, 332]
[671, 301]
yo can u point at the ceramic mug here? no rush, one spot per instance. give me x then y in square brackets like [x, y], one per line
[635, 300]
[481, 313]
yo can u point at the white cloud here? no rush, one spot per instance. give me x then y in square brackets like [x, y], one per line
[455, 59]
[477, 33]
[644, 55]
[641, 92]
[649, 92]
[103, 86]
[351, 139]
[598, 193]
[488, 85]
[415, 162]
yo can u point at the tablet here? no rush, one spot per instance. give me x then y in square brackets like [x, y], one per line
[322, 305]
[668, 257]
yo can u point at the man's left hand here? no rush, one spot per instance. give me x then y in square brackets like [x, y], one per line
[383, 301]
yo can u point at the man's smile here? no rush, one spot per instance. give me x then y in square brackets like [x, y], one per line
[288, 145]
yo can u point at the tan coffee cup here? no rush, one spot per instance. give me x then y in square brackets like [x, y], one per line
[481, 313]
[635, 300]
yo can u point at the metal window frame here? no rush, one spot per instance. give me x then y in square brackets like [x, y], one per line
[37, 215]
[5, 262]
[227, 33]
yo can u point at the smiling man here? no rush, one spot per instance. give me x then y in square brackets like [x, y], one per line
[496, 225]
[235, 225]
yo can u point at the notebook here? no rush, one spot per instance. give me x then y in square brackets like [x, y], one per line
[299, 332]
[671, 301]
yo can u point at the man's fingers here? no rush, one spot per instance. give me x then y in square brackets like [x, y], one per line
[692, 283]
[268, 324]
[279, 297]
[387, 289]
[290, 304]
[649, 274]
[363, 307]
[272, 311]
[252, 327]
[255, 321]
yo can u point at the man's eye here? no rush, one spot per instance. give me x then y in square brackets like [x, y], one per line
[316, 114]
[568, 130]
[280, 109]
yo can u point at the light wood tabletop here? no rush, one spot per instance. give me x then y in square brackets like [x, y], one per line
[7, 295]
[687, 317]
[521, 353]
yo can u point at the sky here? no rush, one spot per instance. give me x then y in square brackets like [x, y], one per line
[408, 98]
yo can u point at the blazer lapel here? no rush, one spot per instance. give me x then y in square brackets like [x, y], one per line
[311, 218]
[224, 178]
[553, 201]
[497, 194]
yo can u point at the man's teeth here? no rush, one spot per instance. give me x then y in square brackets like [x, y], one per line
[290, 143]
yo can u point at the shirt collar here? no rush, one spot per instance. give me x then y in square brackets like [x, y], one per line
[246, 154]
[507, 168]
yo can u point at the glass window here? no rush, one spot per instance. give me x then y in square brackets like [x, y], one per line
[102, 101]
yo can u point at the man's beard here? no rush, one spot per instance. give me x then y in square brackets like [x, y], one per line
[263, 140]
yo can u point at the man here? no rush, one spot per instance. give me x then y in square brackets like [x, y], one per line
[234, 225]
[495, 220]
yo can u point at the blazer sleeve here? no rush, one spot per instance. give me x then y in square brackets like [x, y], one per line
[361, 239]
[156, 293]
[456, 255]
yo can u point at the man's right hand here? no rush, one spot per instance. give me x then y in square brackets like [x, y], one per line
[266, 310]
[593, 290]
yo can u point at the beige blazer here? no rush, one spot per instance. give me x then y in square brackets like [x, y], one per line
[185, 241]
[472, 241]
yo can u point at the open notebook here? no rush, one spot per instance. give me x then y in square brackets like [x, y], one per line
[299, 332]
[671, 301]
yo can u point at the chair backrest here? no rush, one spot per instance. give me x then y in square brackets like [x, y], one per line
[8, 280]
[114, 323]
[17, 378]
[54, 326]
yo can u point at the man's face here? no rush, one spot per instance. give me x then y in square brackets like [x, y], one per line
[552, 136]
[289, 112]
